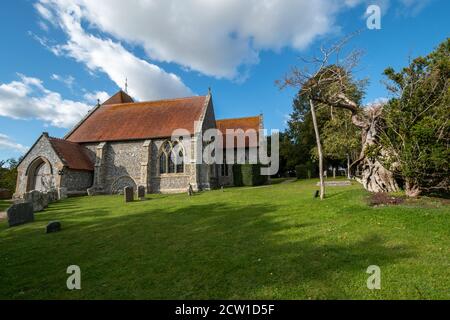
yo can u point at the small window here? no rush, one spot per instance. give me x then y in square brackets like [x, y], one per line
[163, 163]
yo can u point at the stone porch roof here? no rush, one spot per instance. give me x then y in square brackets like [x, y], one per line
[73, 155]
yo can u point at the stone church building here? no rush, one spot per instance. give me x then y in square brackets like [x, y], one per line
[124, 143]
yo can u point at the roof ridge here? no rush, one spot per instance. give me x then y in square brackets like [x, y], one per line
[63, 140]
[249, 117]
[152, 101]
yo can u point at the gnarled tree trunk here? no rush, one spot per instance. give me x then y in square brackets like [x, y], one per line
[375, 177]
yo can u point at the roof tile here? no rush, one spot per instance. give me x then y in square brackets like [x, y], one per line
[72, 154]
[138, 121]
[249, 123]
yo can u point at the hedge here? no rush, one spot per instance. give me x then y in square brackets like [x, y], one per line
[306, 171]
[248, 175]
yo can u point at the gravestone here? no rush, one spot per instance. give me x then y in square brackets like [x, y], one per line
[20, 213]
[190, 191]
[141, 193]
[52, 195]
[129, 194]
[62, 193]
[37, 199]
[53, 226]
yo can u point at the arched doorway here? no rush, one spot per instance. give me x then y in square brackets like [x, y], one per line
[40, 175]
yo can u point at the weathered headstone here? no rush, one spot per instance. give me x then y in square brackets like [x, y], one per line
[39, 201]
[190, 191]
[52, 195]
[141, 193]
[20, 213]
[62, 193]
[129, 194]
[53, 226]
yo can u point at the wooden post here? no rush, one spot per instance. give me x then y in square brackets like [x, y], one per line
[319, 150]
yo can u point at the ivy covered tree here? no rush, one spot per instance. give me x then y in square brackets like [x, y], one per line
[416, 128]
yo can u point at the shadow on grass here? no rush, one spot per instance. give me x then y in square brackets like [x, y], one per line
[198, 251]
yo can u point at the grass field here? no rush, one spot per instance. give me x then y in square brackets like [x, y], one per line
[274, 242]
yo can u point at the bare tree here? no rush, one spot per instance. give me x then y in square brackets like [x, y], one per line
[330, 83]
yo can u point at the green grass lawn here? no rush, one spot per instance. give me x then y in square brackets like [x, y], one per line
[274, 242]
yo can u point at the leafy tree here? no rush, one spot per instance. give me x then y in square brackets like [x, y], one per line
[417, 122]
[8, 174]
[341, 139]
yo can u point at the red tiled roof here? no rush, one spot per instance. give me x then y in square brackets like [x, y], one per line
[138, 121]
[119, 97]
[72, 154]
[239, 123]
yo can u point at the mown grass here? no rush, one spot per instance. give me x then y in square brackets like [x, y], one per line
[274, 242]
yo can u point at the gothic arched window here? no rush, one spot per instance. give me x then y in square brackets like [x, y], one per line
[171, 158]
[163, 163]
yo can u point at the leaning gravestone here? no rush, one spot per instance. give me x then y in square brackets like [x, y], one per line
[129, 194]
[53, 226]
[52, 195]
[39, 201]
[20, 213]
[141, 193]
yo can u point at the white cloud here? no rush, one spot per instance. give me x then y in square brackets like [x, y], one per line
[6, 143]
[147, 81]
[29, 99]
[216, 37]
[219, 38]
[67, 80]
[92, 97]
[414, 7]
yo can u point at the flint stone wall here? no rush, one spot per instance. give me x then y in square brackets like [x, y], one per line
[76, 181]
[44, 149]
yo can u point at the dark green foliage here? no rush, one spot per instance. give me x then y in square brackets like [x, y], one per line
[417, 121]
[340, 138]
[248, 175]
[8, 174]
[306, 171]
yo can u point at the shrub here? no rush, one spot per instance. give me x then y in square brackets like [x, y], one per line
[248, 175]
[305, 171]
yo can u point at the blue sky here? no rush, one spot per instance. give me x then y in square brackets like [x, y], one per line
[57, 57]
